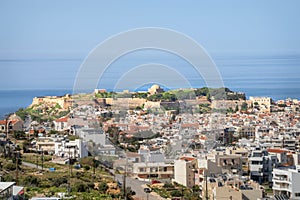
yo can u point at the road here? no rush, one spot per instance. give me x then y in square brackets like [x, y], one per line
[138, 187]
[33, 165]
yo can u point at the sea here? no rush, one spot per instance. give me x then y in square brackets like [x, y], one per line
[276, 76]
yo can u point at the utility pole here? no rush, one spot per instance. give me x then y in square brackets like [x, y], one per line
[124, 180]
[7, 131]
[42, 160]
[206, 189]
[94, 165]
[69, 182]
[69, 162]
[124, 185]
[17, 167]
[37, 160]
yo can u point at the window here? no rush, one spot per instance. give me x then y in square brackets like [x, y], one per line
[257, 155]
[255, 162]
[297, 194]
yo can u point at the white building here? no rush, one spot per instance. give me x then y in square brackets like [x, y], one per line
[184, 171]
[151, 170]
[286, 183]
[61, 124]
[263, 103]
[74, 149]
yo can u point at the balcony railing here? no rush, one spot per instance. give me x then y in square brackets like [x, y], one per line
[281, 187]
[281, 179]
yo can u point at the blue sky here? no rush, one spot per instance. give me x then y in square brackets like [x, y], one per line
[71, 29]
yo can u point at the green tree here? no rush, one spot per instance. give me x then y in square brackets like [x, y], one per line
[59, 181]
[19, 135]
[176, 193]
[26, 146]
[103, 187]
[9, 166]
[236, 108]
[229, 110]
[244, 106]
[30, 181]
[80, 187]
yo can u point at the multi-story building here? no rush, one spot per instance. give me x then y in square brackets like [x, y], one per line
[262, 103]
[286, 183]
[45, 144]
[184, 171]
[230, 163]
[229, 136]
[153, 170]
[61, 124]
[247, 132]
[261, 165]
[73, 149]
[14, 123]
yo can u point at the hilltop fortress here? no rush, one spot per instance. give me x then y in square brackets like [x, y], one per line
[129, 100]
[63, 101]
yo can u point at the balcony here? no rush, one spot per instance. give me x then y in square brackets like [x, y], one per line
[279, 187]
[281, 179]
[256, 158]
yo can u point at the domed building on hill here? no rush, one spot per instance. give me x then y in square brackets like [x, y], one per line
[155, 89]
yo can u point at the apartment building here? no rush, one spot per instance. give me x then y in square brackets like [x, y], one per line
[73, 149]
[286, 183]
[262, 103]
[185, 169]
[230, 163]
[153, 170]
[261, 165]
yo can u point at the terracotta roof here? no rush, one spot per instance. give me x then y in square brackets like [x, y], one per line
[202, 137]
[3, 122]
[63, 119]
[132, 154]
[187, 158]
[277, 150]
[196, 125]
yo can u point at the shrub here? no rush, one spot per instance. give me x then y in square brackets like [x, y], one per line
[175, 193]
[31, 181]
[8, 178]
[59, 181]
[168, 185]
[9, 166]
[103, 187]
[80, 187]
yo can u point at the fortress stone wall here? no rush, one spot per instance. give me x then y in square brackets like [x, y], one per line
[63, 101]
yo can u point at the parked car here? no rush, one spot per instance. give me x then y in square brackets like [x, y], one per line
[147, 190]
